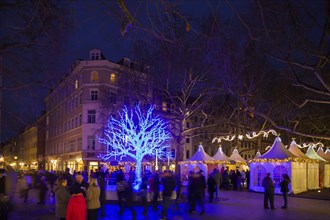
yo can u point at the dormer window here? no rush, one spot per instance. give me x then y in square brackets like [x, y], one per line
[95, 54]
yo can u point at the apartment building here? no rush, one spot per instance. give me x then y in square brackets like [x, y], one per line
[80, 105]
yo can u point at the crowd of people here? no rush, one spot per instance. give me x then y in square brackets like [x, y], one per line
[82, 195]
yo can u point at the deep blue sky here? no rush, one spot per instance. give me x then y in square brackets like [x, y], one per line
[95, 26]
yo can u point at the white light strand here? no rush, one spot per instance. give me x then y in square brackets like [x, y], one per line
[227, 138]
[264, 133]
[135, 135]
[314, 145]
[241, 137]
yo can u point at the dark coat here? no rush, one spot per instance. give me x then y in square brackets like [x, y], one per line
[168, 185]
[211, 184]
[284, 184]
[268, 184]
[76, 188]
[197, 184]
[62, 196]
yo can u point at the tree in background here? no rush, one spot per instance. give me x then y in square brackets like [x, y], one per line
[29, 31]
[135, 134]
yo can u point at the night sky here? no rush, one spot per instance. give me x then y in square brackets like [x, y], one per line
[96, 24]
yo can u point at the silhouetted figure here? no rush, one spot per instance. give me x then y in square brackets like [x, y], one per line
[268, 185]
[284, 184]
[211, 187]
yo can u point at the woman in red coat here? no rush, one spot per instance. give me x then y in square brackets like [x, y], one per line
[76, 209]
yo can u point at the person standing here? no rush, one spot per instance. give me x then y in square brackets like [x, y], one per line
[196, 188]
[102, 184]
[284, 184]
[93, 199]
[168, 187]
[144, 193]
[155, 190]
[211, 187]
[79, 186]
[218, 179]
[268, 185]
[42, 185]
[62, 196]
[124, 192]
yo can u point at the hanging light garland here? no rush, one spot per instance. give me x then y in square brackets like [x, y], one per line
[227, 138]
[249, 136]
[264, 134]
[290, 159]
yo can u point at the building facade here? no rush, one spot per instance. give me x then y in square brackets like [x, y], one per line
[79, 106]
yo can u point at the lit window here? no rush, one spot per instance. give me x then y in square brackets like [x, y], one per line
[113, 78]
[95, 76]
[91, 116]
[94, 95]
[164, 106]
[76, 84]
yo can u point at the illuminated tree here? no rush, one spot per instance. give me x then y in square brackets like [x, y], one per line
[135, 134]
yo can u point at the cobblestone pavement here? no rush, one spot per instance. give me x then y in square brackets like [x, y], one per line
[231, 205]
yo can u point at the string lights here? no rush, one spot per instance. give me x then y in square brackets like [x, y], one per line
[135, 135]
[241, 136]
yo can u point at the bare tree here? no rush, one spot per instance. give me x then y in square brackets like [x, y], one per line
[29, 30]
[294, 36]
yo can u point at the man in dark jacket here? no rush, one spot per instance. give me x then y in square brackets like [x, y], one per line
[168, 187]
[79, 186]
[268, 185]
[284, 184]
[196, 188]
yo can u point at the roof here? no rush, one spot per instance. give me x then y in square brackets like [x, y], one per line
[236, 157]
[258, 154]
[220, 155]
[277, 151]
[321, 153]
[313, 155]
[294, 148]
[200, 155]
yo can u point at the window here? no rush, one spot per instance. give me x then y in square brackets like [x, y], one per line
[113, 78]
[76, 84]
[187, 154]
[91, 116]
[76, 122]
[278, 174]
[80, 120]
[94, 95]
[187, 140]
[173, 153]
[80, 98]
[95, 76]
[91, 142]
[164, 106]
[188, 125]
[113, 98]
[259, 174]
[79, 144]
[195, 148]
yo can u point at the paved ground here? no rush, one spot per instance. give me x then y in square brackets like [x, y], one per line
[231, 205]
